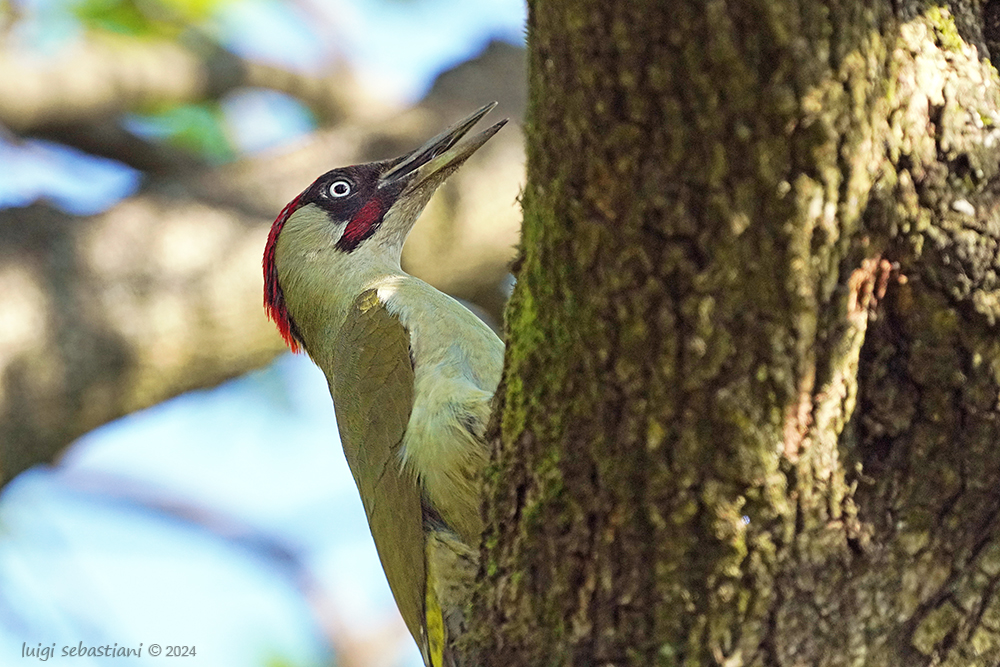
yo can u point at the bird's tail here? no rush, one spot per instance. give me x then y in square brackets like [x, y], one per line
[451, 574]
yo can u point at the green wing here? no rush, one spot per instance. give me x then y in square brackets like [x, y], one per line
[372, 388]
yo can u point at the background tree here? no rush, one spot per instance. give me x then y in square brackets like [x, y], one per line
[101, 315]
[750, 411]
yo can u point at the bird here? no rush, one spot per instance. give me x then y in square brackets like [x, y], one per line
[412, 372]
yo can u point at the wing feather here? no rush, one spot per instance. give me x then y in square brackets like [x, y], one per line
[372, 392]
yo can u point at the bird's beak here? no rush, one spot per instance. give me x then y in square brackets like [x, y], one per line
[439, 157]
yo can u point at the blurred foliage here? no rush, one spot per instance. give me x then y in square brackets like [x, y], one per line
[145, 18]
[200, 127]
[279, 662]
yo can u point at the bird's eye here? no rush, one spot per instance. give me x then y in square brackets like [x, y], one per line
[340, 189]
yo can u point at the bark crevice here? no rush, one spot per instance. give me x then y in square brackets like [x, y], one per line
[775, 317]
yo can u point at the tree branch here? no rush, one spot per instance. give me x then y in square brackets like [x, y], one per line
[94, 81]
[161, 294]
[107, 138]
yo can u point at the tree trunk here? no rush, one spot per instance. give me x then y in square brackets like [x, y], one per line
[750, 409]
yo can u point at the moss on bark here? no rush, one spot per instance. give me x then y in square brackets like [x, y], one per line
[721, 197]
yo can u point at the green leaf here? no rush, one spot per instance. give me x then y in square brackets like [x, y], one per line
[145, 18]
[199, 128]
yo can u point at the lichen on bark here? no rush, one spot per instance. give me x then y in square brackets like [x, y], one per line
[752, 371]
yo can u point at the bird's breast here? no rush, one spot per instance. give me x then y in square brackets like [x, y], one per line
[457, 363]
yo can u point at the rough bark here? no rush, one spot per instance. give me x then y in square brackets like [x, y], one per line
[750, 407]
[104, 315]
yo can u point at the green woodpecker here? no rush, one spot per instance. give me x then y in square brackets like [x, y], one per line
[412, 372]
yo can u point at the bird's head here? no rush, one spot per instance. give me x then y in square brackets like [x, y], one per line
[355, 218]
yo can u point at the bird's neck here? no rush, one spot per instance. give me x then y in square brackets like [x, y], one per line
[319, 294]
